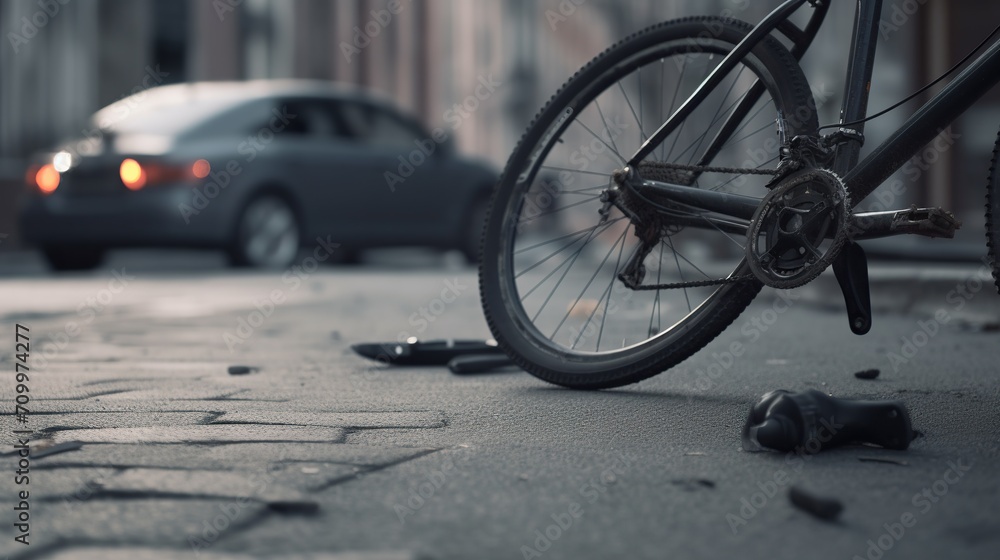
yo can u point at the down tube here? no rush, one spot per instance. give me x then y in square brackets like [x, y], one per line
[922, 127]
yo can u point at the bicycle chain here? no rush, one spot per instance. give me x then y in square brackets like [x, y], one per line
[693, 284]
[802, 151]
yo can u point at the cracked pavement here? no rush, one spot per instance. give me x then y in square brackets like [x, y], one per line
[144, 446]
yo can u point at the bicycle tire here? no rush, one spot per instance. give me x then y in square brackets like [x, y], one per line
[785, 81]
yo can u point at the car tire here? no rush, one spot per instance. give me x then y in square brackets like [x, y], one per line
[472, 234]
[345, 256]
[64, 258]
[267, 235]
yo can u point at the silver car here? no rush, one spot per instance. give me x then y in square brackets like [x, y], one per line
[258, 169]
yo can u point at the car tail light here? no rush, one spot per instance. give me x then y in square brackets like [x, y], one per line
[201, 168]
[47, 178]
[132, 174]
[137, 175]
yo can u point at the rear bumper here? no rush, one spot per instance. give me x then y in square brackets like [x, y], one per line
[158, 217]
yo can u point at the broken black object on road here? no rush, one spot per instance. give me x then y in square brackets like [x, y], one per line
[867, 374]
[478, 363]
[823, 508]
[241, 370]
[430, 353]
[812, 421]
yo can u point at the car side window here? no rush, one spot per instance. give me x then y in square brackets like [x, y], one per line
[378, 128]
[305, 117]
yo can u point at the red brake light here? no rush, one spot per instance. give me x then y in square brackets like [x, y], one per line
[201, 168]
[47, 178]
[132, 174]
[137, 175]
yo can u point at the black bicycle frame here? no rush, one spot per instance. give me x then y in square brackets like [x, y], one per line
[861, 178]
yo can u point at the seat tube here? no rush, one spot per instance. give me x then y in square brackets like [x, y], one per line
[859, 79]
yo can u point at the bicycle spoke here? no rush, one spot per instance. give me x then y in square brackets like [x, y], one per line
[677, 135]
[656, 302]
[553, 168]
[756, 132]
[679, 270]
[606, 292]
[607, 128]
[611, 284]
[701, 139]
[750, 120]
[716, 117]
[587, 287]
[561, 279]
[638, 119]
[599, 139]
[567, 236]
[568, 206]
[673, 101]
[642, 133]
[546, 259]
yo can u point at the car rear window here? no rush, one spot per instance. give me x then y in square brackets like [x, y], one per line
[165, 114]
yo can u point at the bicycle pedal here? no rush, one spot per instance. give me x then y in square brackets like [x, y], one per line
[927, 222]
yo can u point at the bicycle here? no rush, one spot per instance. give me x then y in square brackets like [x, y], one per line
[614, 250]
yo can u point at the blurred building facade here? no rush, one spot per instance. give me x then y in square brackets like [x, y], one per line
[63, 59]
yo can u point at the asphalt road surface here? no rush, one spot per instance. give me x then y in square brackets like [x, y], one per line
[144, 446]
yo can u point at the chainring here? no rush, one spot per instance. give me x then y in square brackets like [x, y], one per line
[799, 229]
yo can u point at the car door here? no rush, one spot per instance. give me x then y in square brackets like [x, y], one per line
[315, 151]
[396, 177]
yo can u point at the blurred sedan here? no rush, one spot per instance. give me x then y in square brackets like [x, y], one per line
[258, 169]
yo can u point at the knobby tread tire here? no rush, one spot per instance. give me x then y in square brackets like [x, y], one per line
[645, 362]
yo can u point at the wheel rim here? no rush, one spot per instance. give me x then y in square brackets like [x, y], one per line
[535, 264]
[269, 233]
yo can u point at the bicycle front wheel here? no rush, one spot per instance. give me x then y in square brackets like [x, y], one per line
[553, 250]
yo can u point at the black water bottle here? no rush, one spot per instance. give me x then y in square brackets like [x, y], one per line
[812, 421]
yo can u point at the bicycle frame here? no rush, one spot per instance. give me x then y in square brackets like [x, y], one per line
[861, 178]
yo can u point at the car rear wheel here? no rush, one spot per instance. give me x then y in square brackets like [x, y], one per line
[267, 234]
[67, 258]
